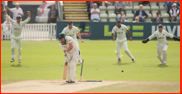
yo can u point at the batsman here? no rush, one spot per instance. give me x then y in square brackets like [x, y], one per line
[71, 52]
[162, 45]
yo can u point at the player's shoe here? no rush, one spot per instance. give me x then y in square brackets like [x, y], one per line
[164, 62]
[119, 60]
[80, 61]
[161, 63]
[67, 81]
[19, 60]
[133, 60]
[71, 82]
[12, 60]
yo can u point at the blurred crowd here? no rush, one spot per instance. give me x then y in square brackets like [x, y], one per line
[172, 8]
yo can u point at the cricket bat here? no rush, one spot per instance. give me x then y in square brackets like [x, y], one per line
[65, 70]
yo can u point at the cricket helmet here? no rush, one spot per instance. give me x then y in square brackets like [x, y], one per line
[61, 35]
[160, 26]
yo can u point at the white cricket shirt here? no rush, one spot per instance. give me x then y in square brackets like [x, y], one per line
[71, 32]
[161, 37]
[17, 28]
[121, 34]
[66, 46]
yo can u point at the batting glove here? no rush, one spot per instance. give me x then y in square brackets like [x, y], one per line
[65, 54]
[67, 58]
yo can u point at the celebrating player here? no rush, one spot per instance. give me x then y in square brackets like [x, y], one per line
[121, 40]
[162, 42]
[71, 52]
[16, 34]
[73, 32]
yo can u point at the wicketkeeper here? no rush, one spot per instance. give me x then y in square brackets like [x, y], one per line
[162, 45]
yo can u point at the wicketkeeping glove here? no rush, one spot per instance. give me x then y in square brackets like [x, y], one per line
[145, 40]
[176, 38]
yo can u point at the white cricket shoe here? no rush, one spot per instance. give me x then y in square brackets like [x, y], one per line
[161, 63]
[80, 61]
[19, 60]
[12, 60]
[164, 62]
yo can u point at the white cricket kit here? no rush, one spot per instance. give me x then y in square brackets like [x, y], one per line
[72, 33]
[73, 55]
[162, 44]
[16, 35]
[121, 40]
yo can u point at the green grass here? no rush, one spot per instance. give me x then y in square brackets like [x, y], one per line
[134, 88]
[45, 59]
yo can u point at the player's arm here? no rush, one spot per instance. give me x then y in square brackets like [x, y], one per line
[113, 36]
[28, 19]
[79, 35]
[126, 28]
[172, 36]
[113, 32]
[7, 16]
[149, 38]
[64, 50]
[70, 46]
[129, 35]
[9, 9]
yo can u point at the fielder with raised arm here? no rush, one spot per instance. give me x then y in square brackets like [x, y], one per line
[121, 40]
[162, 45]
[16, 37]
[73, 32]
[71, 52]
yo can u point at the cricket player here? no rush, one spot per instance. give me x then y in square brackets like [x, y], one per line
[71, 52]
[73, 32]
[16, 37]
[121, 40]
[162, 45]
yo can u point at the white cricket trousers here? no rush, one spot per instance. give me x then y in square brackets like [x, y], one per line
[80, 56]
[13, 44]
[162, 51]
[72, 65]
[125, 47]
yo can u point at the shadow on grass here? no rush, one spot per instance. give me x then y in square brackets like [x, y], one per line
[79, 64]
[162, 66]
[119, 64]
[13, 65]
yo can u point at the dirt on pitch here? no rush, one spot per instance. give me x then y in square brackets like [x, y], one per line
[59, 86]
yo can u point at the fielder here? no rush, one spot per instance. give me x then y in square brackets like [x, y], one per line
[16, 37]
[162, 45]
[121, 40]
[73, 32]
[71, 52]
